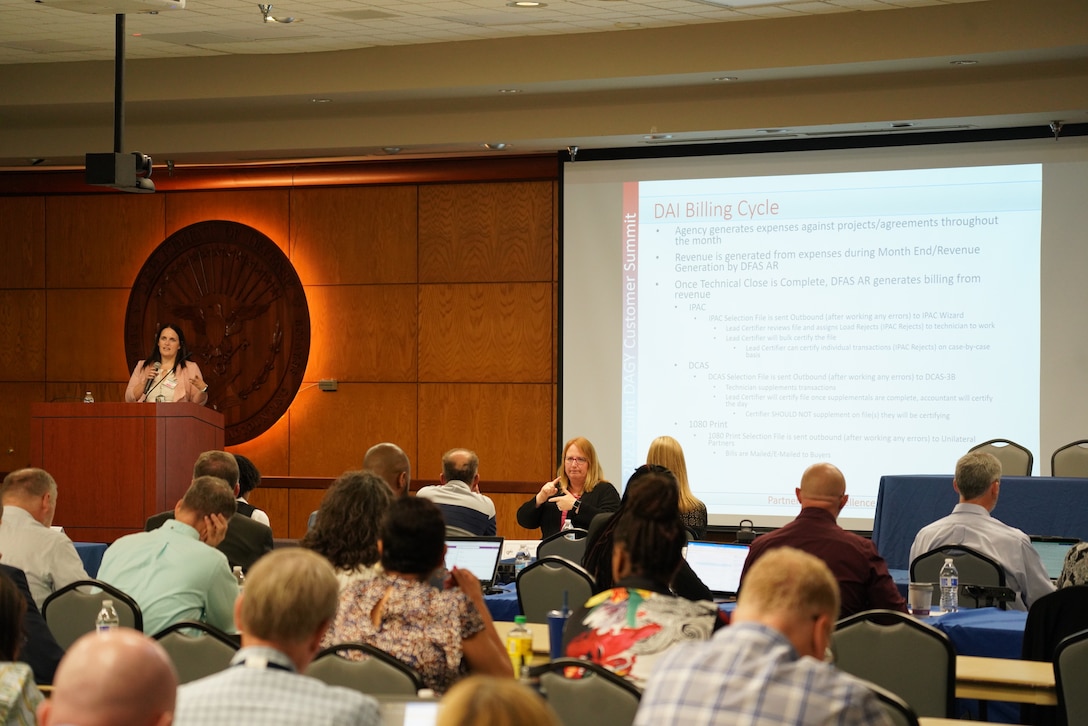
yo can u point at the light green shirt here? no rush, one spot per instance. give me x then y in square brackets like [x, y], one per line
[172, 576]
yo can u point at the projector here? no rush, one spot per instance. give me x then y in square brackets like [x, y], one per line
[127, 172]
[114, 7]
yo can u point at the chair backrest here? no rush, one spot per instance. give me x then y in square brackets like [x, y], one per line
[1051, 619]
[452, 531]
[1070, 675]
[72, 610]
[376, 673]
[597, 697]
[196, 649]
[973, 568]
[1070, 460]
[1015, 459]
[541, 586]
[895, 651]
[895, 708]
[569, 543]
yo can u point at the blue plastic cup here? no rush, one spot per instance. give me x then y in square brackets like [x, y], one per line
[557, 620]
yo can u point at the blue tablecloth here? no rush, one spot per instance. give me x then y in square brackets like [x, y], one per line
[1043, 505]
[503, 606]
[91, 554]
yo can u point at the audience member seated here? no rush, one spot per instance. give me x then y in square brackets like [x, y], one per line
[864, 581]
[458, 495]
[978, 482]
[574, 497]
[667, 452]
[288, 603]
[390, 463]
[117, 678]
[249, 478]
[247, 540]
[438, 632]
[626, 628]
[45, 555]
[19, 695]
[1075, 566]
[599, 542]
[174, 573]
[347, 526]
[767, 667]
[490, 701]
[40, 649]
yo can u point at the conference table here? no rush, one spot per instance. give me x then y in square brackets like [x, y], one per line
[90, 553]
[1040, 505]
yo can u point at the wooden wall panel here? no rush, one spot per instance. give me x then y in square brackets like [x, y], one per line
[485, 232]
[362, 332]
[22, 242]
[486, 332]
[22, 330]
[267, 211]
[15, 422]
[275, 504]
[84, 336]
[330, 431]
[507, 425]
[101, 240]
[354, 234]
[301, 502]
[271, 451]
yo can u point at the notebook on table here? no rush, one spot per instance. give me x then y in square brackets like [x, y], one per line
[1052, 551]
[478, 555]
[718, 565]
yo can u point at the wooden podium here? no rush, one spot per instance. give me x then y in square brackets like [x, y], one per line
[116, 464]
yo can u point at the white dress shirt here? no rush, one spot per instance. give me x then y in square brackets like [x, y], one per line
[46, 555]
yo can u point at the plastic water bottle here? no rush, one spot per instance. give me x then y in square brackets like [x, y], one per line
[107, 618]
[521, 560]
[88, 397]
[240, 577]
[519, 646]
[950, 587]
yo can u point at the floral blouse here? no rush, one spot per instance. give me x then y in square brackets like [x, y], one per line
[419, 625]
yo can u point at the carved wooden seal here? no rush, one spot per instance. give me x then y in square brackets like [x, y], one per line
[242, 308]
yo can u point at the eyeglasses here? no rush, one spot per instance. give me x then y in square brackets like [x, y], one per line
[576, 460]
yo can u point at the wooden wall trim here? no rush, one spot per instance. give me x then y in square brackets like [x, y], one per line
[323, 482]
[539, 167]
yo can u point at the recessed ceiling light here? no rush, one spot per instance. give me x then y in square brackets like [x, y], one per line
[526, 4]
[391, 149]
[963, 62]
[509, 90]
[723, 79]
[657, 137]
[772, 131]
[901, 124]
[498, 146]
[321, 100]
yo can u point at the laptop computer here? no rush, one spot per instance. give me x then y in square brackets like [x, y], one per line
[408, 710]
[718, 565]
[1052, 550]
[478, 555]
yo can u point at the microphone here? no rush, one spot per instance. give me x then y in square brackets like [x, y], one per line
[156, 366]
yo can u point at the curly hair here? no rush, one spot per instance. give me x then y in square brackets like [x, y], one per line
[349, 520]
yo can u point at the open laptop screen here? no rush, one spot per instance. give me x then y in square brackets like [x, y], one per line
[1052, 550]
[718, 565]
[478, 555]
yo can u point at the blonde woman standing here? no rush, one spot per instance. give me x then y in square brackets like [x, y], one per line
[666, 451]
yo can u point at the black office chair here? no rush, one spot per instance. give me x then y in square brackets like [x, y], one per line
[982, 580]
[71, 611]
[375, 673]
[587, 694]
[895, 708]
[1015, 459]
[569, 543]
[197, 649]
[1070, 460]
[1070, 675]
[542, 585]
[1051, 619]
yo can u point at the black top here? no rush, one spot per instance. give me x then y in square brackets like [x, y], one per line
[40, 651]
[603, 498]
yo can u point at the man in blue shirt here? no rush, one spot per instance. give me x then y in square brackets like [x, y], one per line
[175, 572]
[767, 667]
[459, 497]
[290, 598]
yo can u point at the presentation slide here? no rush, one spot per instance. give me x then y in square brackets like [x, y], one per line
[884, 320]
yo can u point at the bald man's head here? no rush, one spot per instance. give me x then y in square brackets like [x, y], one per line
[116, 678]
[823, 486]
[390, 463]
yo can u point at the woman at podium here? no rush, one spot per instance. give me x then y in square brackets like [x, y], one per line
[166, 375]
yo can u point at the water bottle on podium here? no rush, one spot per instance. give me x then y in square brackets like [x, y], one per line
[107, 618]
[950, 586]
